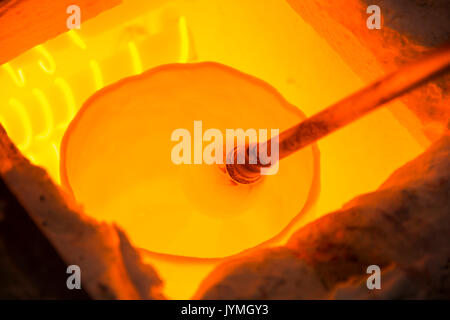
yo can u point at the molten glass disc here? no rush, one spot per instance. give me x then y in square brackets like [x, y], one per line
[116, 159]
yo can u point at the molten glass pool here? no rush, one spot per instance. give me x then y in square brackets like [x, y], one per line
[116, 158]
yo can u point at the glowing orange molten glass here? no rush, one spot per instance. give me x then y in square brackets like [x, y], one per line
[116, 158]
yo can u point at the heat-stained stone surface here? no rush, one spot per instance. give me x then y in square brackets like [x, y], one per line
[30, 268]
[110, 267]
[403, 228]
[409, 28]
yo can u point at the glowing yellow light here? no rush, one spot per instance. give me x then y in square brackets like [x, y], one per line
[25, 119]
[98, 78]
[48, 116]
[77, 39]
[18, 77]
[56, 149]
[32, 158]
[50, 67]
[184, 40]
[3, 123]
[135, 58]
[70, 100]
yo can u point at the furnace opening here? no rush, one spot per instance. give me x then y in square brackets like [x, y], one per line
[289, 65]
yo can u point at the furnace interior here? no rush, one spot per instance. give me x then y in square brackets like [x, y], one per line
[43, 89]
